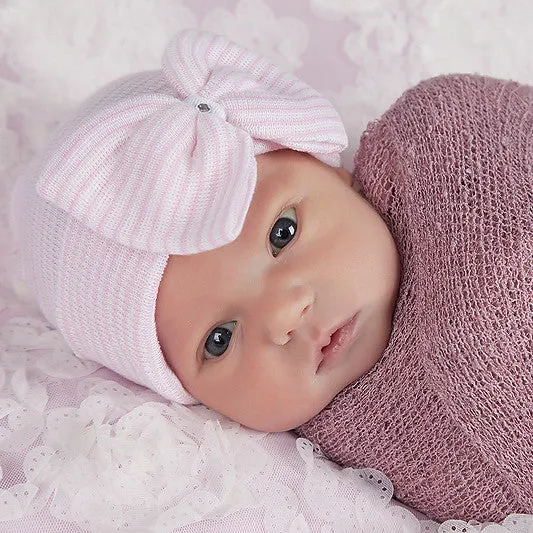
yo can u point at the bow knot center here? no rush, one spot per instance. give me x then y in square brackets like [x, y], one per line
[203, 105]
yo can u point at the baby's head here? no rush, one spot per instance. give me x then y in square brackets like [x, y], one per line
[198, 237]
[249, 327]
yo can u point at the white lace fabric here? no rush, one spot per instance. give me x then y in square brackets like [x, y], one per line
[81, 445]
[82, 450]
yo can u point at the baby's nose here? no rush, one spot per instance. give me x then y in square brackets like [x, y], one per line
[286, 311]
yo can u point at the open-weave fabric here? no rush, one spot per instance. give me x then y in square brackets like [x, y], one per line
[447, 414]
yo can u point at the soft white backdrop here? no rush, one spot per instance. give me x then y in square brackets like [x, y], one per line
[87, 451]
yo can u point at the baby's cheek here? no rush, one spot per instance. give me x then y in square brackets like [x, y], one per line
[272, 409]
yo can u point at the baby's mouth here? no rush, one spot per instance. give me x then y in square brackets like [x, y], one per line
[339, 341]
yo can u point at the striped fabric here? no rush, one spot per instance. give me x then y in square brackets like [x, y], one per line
[153, 164]
[175, 173]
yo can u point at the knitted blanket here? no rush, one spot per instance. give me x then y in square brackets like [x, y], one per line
[447, 414]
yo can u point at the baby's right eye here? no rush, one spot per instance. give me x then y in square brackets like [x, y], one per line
[283, 231]
[218, 340]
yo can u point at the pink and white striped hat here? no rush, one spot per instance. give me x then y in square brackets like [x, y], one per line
[157, 163]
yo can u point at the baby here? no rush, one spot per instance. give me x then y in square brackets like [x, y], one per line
[191, 229]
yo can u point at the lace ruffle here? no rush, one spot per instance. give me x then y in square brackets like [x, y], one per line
[85, 446]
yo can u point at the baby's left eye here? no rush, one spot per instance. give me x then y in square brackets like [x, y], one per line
[219, 340]
[283, 231]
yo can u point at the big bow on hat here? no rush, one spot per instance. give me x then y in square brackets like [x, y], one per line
[175, 173]
[156, 163]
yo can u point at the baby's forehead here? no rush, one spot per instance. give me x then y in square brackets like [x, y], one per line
[288, 168]
[287, 156]
[279, 174]
[285, 165]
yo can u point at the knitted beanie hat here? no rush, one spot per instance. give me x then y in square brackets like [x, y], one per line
[447, 413]
[156, 163]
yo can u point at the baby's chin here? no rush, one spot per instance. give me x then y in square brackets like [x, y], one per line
[283, 418]
[274, 425]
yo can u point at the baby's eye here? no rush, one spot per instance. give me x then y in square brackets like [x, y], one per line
[283, 231]
[218, 340]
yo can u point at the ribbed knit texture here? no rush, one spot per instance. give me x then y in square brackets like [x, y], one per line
[156, 163]
[172, 169]
[447, 414]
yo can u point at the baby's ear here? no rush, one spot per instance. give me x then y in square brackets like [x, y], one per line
[356, 185]
[345, 176]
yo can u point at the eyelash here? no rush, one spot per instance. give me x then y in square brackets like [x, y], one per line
[275, 250]
[228, 326]
[293, 233]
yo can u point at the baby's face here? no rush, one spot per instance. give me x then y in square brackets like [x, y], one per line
[253, 329]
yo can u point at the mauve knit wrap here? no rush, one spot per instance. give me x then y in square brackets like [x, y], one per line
[447, 414]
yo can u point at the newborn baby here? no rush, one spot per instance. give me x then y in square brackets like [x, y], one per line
[191, 229]
[447, 413]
